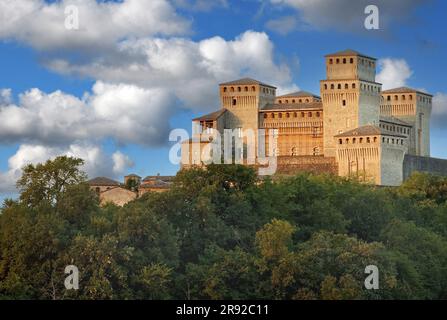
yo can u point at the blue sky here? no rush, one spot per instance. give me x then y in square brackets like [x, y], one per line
[137, 69]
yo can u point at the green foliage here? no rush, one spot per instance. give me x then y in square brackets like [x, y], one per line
[220, 233]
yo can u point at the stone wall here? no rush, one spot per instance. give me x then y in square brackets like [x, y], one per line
[424, 164]
[313, 164]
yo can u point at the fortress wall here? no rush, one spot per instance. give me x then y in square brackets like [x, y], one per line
[423, 164]
[313, 164]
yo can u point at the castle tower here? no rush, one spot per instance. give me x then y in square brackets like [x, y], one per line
[351, 97]
[413, 107]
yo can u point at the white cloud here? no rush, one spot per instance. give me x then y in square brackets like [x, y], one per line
[188, 70]
[97, 162]
[393, 73]
[348, 15]
[101, 24]
[5, 96]
[125, 113]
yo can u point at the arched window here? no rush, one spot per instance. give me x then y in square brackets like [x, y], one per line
[354, 141]
[340, 141]
[346, 86]
[280, 101]
[347, 140]
[265, 116]
[295, 114]
[325, 87]
[344, 60]
[232, 89]
[351, 60]
[318, 114]
[331, 61]
[234, 101]
[375, 139]
[361, 140]
[337, 61]
[287, 101]
[388, 98]
[293, 101]
[301, 100]
[403, 97]
[307, 100]
[239, 89]
[253, 88]
[396, 97]
[225, 89]
[353, 86]
[332, 86]
[339, 86]
[287, 115]
[368, 140]
[316, 151]
[246, 89]
[273, 116]
[303, 114]
[310, 114]
[294, 152]
[280, 115]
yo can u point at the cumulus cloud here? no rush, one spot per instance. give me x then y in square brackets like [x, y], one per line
[101, 24]
[125, 113]
[187, 69]
[393, 73]
[348, 15]
[97, 162]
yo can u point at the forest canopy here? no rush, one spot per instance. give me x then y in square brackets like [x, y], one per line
[221, 233]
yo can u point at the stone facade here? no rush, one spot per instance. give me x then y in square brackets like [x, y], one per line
[354, 128]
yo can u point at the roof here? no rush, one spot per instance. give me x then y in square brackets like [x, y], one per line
[294, 106]
[394, 120]
[405, 90]
[248, 81]
[299, 94]
[368, 130]
[349, 52]
[211, 116]
[103, 182]
[158, 177]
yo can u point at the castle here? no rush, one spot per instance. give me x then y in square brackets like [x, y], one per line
[352, 129]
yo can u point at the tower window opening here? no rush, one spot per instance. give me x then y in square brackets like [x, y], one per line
[353, 86]
[293, 101]
[339, 86]
[234, 102]
[403, 97]
[239, 89]
[310, 114]
[344, 103]
[303, 114]
[332, 86]
[331, 61]
[337, 61]
[344, 61]
[253, 89]
[388, 98]
[307, 100]
[346, 86]
[246, 89]
[301, 100]
[325, 87]
[340, 141]
[368, 140]
[232, 89]
[396, 97]
[225, 89]
[351, 60]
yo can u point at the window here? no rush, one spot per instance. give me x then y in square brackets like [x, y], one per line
[388, 98]
[340, 141]
[280, 101]
[225, 89]
[265, 115]
[337, 61]
[273, 116]
[368, 140]
[287, 101]
[310, 114]
[318, 114]
[346, 86]
[332, 86]
[301, 100]
[279, 115]
[361, 140]
[339, 86]
[234, 101]
[344, 60]
[354, 140]
[403, 97]
[295, 115]
[353, 86]
[316, 151]
[396, 97]
[325, 87]
[293, 101]
[344, 103]
[246, 89]
[303, 114]
[294, 151]
[253, 89]
[331, 61]
[232, 89]
[287, 115]
[307, 100]
[351, 60]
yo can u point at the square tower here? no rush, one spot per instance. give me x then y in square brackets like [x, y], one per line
[413, 107]
[351, 97]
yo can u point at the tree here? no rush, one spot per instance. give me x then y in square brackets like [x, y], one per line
[47, 182]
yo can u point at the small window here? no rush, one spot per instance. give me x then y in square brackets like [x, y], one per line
[293, 101]
[388, 98]
[253, 89]
[310, 114]
[340, 141]
[339, 86]
[225, 89]
[353, 86]
[396, 97]
[301, 100]
[280, 101]
[344, 103]
[368, 140]
[325, 87]
[331, 61]
[307, 100]
[337, 61]
[246, 89]
[346, 86]
[332, 86]
[234, 102]
[273, 116]
[351, 60]
[403, 97]
[318, 114]
[344, 60]
[265, 116]
[232, 89]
